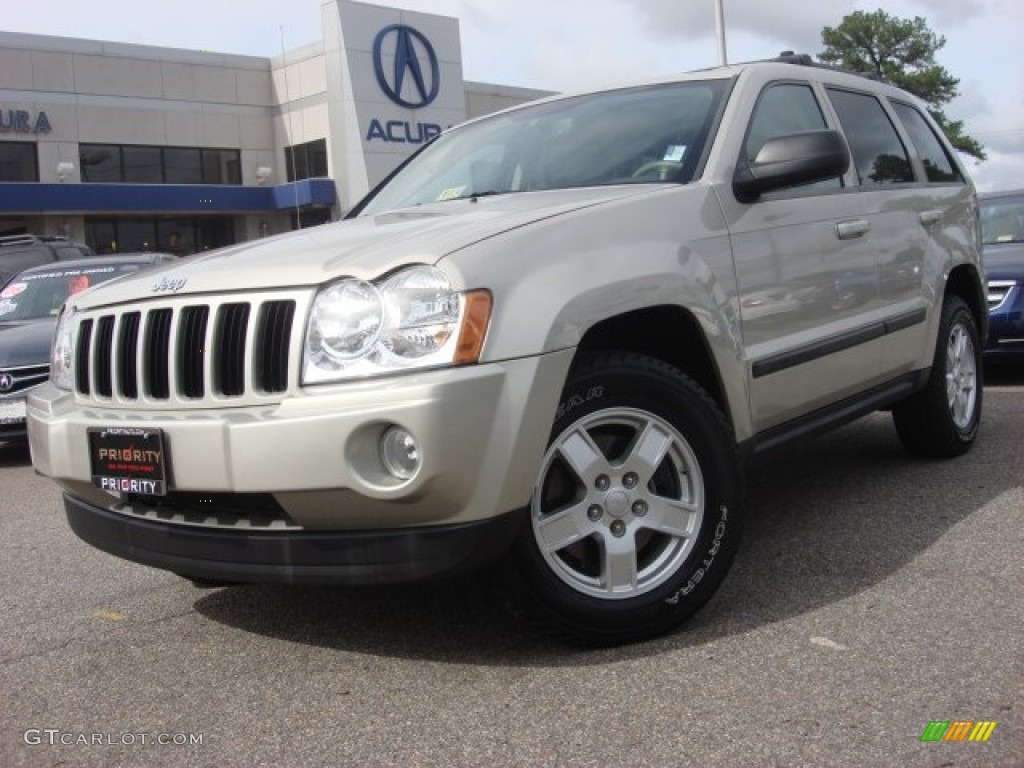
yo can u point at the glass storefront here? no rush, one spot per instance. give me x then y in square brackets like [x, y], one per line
[178, 235]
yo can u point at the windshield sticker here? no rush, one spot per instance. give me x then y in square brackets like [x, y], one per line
[13, 290]
[451, 193]
[7, 306]
[78, 284]
[674, 153]
[71, 273]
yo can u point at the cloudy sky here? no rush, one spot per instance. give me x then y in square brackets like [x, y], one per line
[570, 44]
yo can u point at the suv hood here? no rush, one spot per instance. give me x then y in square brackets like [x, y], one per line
[365, 247]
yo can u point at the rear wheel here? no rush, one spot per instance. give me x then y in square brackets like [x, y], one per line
[941, 421]
[635, 515]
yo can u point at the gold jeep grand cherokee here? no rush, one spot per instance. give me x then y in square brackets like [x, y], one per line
[552, 337]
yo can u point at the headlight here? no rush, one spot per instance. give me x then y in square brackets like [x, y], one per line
[412, 319]
[62, 351]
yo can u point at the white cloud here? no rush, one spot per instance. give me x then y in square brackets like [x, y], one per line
[568, 44]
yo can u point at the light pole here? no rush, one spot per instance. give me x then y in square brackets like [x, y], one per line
[723, 58]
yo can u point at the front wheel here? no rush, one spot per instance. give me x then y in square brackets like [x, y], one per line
[636, 512]
[942, 420]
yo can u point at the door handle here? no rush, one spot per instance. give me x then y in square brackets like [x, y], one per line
[847, 230]
[930, 217]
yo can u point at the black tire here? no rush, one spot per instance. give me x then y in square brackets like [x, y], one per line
[669, 506]
[942, 420]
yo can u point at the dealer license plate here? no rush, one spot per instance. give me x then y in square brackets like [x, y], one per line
[12, 411]
[128, 460]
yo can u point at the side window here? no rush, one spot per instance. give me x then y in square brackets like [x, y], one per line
[782, 109]
[936, 160]
[878, 153]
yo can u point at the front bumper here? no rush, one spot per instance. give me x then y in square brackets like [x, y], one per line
[342, 558]
[481, 430]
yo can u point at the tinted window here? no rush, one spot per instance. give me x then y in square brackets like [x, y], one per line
[878, 154]
[937, 163]
[782, 109]
[180, 236]
[18, 161]
[100, 162]
[183, 166]
[221, 166]
[142, 165]
[306, 161]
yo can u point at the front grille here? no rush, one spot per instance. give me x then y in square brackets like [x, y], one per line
[14, 380]
[998, 290]
[184, 353]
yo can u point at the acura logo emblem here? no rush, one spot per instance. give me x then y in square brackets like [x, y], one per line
[415, 72]
[6, 382]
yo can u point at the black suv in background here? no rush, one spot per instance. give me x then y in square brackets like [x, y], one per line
[18, 252]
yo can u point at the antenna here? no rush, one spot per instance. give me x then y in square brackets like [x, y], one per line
[291, 129]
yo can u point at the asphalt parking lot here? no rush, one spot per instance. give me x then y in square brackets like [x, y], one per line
[873, 595]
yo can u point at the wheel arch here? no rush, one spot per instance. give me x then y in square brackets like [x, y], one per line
[667, 333]
[965, 282]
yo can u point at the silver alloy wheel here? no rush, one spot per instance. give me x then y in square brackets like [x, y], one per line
[961, 376]
[619, 503]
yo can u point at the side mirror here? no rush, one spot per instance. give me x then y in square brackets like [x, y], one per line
[796, 158]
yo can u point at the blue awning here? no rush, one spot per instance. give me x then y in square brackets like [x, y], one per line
[28, 197]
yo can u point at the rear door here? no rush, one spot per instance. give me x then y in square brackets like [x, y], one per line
[910, 200]
[807, 276]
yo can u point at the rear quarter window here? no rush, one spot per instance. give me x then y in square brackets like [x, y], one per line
[938, 166]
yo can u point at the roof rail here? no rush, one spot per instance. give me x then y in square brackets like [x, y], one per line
[789, 57]
[805, 60]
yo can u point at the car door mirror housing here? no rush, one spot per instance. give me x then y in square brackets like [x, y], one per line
[796, 158]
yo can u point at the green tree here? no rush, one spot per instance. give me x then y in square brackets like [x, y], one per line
[900, 52]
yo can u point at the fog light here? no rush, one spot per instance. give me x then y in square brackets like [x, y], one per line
[400, 453]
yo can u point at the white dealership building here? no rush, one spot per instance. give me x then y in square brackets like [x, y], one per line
[130, 147]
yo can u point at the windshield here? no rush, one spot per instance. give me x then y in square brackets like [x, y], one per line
[628, 136]
[34, 295]
[1002, 220]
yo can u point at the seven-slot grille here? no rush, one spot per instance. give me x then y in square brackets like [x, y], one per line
[187, 353]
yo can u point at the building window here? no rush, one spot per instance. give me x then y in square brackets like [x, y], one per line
[221, 166]
[141, 165]
[100, 163]
[18, 161]
[130, 164]
[306, 161]
[183, 166]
